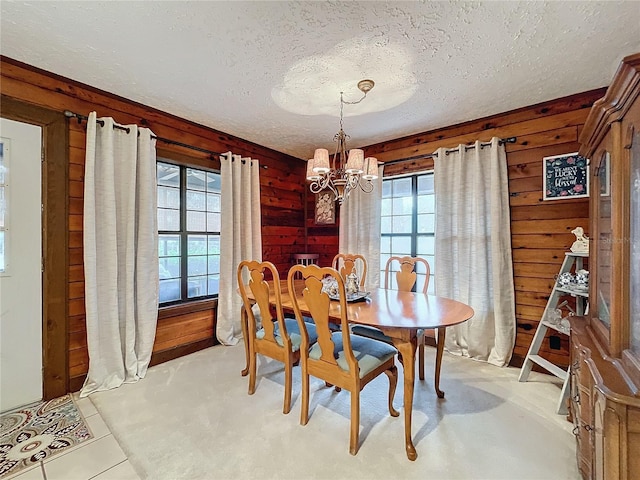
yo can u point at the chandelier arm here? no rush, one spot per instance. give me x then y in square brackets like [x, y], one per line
[366, 186]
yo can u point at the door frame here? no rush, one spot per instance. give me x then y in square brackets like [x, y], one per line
[55, 242]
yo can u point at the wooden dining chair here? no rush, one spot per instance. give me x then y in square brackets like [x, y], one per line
[406, 279]
[346, 263]
[278, 338]
[347, 361]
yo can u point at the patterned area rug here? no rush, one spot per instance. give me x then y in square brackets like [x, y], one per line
[36, 432]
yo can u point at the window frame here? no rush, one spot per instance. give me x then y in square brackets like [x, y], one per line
[414, 234]
[184, 304]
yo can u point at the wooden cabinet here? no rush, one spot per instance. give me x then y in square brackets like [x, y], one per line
[605, 344]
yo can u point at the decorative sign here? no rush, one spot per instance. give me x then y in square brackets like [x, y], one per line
[325, 208]
[565, 176]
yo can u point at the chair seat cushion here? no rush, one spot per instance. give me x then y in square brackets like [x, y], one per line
[368, 352]
[294, 333]
[376, 334]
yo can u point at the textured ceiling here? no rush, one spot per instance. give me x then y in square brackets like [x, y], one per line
[272, 72]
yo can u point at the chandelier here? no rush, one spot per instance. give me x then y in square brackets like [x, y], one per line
[346, 172]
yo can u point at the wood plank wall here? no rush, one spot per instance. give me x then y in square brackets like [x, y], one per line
[282, 192]
[540, 231]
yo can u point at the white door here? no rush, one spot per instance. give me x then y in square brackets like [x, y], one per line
[20, 265]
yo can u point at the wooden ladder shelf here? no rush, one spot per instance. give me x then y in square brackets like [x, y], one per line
[532, 357]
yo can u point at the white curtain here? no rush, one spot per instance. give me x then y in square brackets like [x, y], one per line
[240, 237]
[120, 253]
[473, 249]
[360, 218]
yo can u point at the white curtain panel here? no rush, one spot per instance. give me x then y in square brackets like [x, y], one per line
[473, 249]
[120, 253]
[240, 237]
[360, 218]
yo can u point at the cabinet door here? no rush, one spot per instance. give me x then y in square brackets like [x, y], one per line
[634, 241]
[604, 238]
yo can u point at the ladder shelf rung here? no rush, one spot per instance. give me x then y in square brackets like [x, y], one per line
[547, 365]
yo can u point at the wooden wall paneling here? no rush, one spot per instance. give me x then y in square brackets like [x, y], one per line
[541, 230]
[282, 194]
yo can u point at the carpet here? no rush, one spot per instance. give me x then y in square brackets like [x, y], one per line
[33, 433]
[191, 418]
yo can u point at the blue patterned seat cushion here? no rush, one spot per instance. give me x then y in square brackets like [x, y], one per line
[376, 334]
[294, 333]
[369, 353]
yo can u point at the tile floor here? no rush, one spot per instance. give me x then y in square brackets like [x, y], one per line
[100, 458]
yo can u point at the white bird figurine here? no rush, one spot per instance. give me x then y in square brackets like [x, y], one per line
[581, 245]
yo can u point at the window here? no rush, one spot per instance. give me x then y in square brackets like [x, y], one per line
[188, 233]
[408, 222]
[4, 195]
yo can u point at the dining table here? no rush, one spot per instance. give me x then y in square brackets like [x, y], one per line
[402, 316]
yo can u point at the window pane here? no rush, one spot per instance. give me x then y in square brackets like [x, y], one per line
[196, 245]
[196, 287]
[214, 284]
[196, 201]
[426, 223]
[213, 202]
[169, 290]
[196, 265]
[213, 222]
[213, 182]
[1, 251]
[426, 246]
[431, 260]
[432, 286]
[169, 267]
[196, 221]
[402, 206]
[425, 184]
[214, 264]
[3, 207]
[169, 197]
[385, 245]
[401, 246]
[386, 207]
[386, 188]
[383, 263]
[385, 225]
[426, 204]
[168, 245]
[168, 175]
[168, 220]
[195, 179]
[402, 224]
[214, 244]
[402, 187]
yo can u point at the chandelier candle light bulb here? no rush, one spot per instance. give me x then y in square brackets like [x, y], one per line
[345, 173]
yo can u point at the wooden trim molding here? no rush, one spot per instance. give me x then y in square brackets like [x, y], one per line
[55, 140]
[613, 106]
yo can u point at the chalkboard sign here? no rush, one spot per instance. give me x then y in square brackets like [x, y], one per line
[565, 176]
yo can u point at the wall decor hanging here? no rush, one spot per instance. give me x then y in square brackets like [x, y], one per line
[325, 208]
[565, 176]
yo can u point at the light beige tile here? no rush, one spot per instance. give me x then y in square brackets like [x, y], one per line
[122, 471]
[97, 426]
[32, 473]
[85, 405]
[85, 462]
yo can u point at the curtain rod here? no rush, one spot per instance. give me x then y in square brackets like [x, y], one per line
[435, 154]
[80, 117]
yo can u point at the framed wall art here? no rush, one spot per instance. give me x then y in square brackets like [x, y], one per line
[565, 176]
[325, 208]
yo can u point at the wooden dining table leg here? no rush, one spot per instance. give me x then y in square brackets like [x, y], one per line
[407, 348]
[439, 351]
[244, 321]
